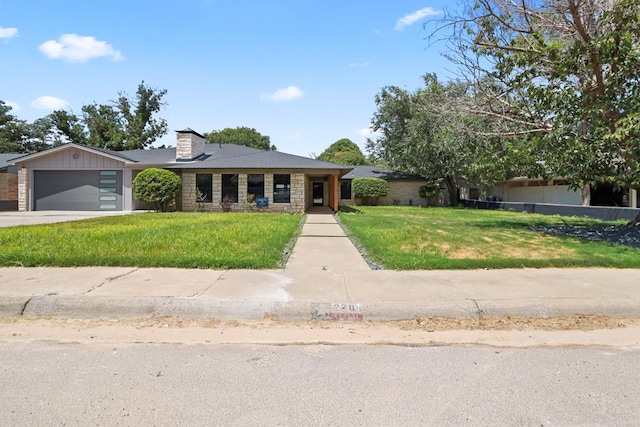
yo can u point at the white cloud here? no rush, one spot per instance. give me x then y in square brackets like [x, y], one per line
[7, 33]
[282, 95]
[15, 107]
[358, 64]
[49, 103]
[413, 17]
[75, 48]
[367, 133]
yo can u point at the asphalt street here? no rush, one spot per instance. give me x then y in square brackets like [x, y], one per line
[316, 385]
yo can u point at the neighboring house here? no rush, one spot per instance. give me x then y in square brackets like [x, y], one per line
[8, 183]
[76, 177]
[403, 187]
[553, 191]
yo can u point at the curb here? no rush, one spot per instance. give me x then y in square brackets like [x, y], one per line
[13, 306]
[95, 307]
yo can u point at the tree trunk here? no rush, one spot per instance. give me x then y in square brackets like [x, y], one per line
[585, 195]
[452, 189]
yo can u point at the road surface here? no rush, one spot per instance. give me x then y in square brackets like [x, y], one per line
[136, 381]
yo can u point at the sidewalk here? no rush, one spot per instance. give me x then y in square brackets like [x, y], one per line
[325, 279]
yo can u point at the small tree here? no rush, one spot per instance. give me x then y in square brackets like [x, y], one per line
[369, 189]
[157, 188]
[428, 192]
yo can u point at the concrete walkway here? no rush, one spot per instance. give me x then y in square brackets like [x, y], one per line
[323, 245]
[324, 279]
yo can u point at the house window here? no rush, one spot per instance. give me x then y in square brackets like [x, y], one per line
[255, 184]
[204, 184]
[345, 189]
[281, 188]
[230, 187]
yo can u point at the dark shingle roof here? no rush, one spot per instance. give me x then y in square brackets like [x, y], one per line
[229, 156]
[219, 156]
[152, 156]
[5, 157]
[375, 172]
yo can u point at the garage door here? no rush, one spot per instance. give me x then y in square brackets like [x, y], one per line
[78, 190]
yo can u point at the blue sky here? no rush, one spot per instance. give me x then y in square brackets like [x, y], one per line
[304, 72]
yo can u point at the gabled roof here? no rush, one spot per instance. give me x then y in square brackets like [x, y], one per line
[117, 155]
[375, 172]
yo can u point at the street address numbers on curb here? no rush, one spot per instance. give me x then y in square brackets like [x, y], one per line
[336, 312]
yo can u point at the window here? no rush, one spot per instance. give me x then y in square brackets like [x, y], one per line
[204, 184]
[345, 189]
[255, 184]
[230, 187]
[281, 188]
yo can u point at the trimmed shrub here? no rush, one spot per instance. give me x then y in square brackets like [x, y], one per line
[369, 189]
[427, 191]
[156, 187]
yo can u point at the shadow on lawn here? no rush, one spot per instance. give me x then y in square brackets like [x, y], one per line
[350, 209]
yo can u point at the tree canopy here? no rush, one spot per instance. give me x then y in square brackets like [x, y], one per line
[344, 152]
[19, 136]
[124, 124]
[562, 73]
[422, 132]
[241, 135]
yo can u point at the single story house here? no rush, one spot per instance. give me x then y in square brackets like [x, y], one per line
[77, 177]
[403, 187]
[552, 191]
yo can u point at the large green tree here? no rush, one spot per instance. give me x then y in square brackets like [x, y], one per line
[125, 124]
[564, 75]
[241, 135]
[20, 136]
[422, 132]
[10, 132]
[344, 152]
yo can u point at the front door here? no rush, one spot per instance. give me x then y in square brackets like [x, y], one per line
[318, 193]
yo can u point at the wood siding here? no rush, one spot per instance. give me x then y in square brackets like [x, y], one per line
[64, 159]
[8, 186]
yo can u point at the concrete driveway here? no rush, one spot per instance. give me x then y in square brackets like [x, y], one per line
[12, 219]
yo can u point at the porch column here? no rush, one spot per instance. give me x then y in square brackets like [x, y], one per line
[633, 198]
[127, 192]
[23, 189]
[334, 192]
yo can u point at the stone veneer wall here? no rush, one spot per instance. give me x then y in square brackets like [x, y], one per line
[23, 189]
[403, 193]
[189, 146]
[296, 205]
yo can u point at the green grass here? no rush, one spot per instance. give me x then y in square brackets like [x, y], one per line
[410, 238]
[186, 240]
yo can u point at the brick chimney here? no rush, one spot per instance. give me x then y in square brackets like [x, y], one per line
[190, 144]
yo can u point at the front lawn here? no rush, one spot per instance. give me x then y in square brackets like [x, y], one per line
[411, 238]
[186, 240]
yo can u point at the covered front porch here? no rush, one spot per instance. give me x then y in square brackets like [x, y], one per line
[322, 191]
